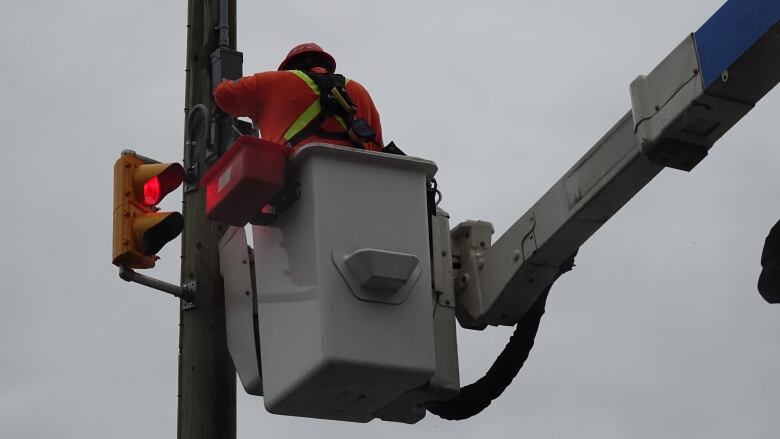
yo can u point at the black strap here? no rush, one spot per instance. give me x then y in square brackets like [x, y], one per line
[392, 148]
[315, 128]
[307, 130]
[330, 107]
[330, 82]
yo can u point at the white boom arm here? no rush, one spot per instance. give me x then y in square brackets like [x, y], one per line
[694, 96]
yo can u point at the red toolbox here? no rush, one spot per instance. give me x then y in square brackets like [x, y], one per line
[244, 180]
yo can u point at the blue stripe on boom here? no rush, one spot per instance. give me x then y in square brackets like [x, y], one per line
[729, 33]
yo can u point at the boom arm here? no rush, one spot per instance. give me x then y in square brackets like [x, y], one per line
[694, 96]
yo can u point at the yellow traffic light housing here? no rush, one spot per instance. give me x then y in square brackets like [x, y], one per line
[140, 230]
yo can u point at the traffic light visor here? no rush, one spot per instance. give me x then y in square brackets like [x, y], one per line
[153, 231]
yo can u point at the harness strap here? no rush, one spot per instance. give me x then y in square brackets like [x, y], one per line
[315, 127]
[311, 120]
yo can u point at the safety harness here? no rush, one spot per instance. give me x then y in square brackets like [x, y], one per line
[333, 101]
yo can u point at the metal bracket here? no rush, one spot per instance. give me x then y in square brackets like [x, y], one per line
[470, 240]
[286, 197]
[186, 293]
[190, 163]
[189, 303]
[441, 246]
[213, 148]
[191, 177]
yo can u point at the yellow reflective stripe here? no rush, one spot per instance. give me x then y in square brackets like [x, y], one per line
[304, 119]
[310, 113]
[306, 79]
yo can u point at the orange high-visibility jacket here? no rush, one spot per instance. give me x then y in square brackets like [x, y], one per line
[281, 102]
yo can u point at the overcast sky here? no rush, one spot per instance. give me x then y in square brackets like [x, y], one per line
[658, 332]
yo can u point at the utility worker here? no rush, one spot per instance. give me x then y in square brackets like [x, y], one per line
[304, 102]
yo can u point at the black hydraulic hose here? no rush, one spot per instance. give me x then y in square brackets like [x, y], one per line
[769, 280]
[477, 396]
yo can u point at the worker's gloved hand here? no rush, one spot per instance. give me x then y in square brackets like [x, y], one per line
[769, 280]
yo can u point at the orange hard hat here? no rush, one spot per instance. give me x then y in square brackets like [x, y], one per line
[307, 48]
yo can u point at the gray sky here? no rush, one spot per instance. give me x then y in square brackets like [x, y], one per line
[658, 332]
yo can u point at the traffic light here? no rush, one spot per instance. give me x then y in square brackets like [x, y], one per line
[140, 229]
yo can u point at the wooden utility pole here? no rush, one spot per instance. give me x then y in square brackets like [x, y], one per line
[207, 379]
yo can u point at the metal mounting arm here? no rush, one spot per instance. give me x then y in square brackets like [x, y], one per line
[701, 90]
[186, 293]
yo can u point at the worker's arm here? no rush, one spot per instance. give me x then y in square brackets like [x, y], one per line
[236, 97]
[248, 96]
[366, 110]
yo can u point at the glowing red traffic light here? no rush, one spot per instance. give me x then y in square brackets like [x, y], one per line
[153, 182]
[152, 192]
